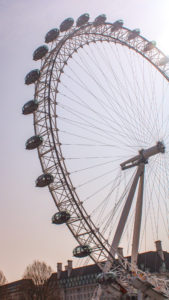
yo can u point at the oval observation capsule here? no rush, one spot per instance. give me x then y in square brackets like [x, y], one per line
[100, 20]
[82, 251]
[32, 76]
[66, 24]
[149, 46]
[33, 142]
[106, 278]
[133, 34]
[40, 52]
[117, 25]
[51, 35]
[163, 61]
[60, 217]
[29, 107]
[44, 180]
[82, 20]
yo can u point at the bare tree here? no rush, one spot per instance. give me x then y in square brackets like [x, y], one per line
[39, 272]
[2, 278]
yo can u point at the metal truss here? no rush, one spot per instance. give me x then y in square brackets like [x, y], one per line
[50, 152]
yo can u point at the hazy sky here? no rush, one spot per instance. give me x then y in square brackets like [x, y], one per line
[26, 232]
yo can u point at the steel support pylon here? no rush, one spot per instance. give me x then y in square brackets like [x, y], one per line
[140, 160]
[137, 222]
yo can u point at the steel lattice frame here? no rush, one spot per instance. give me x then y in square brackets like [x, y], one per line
[45, 124]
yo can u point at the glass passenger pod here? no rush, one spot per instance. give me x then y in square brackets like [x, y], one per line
[117, 25]
[60, 217]
[133, 34]
[163, 61]
[33, 142]
[66, 24]
[40, 52]
[149, 46]
[82, 251]
[44, 180]
[106, 278]
[100, 20]
[82, 20]
[51, 35]
[29, 107]
[32, 76]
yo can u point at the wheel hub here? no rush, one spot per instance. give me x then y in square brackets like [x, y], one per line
[143, 156]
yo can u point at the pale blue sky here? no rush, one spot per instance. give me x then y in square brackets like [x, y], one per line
[25, 212]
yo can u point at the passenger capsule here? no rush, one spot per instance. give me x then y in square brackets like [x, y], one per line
[32, 76]
[82, 251]
[44, 180]
[82, 20]
[100, 20]
[60, 217]
[51, 35]
[163, 61]
[40, 52]
[133, 34]
[106, 278]
[117, 25]
[149, 46]
[66, 24]
[33, 142]
[29, 107]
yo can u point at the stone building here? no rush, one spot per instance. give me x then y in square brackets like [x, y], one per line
[80, 283]
[17, 290]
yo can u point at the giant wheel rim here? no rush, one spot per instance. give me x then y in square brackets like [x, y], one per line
[45, 120]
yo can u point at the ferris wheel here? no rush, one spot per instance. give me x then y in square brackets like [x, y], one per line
[101, 121]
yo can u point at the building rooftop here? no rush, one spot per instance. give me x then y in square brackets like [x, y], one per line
[148, 261]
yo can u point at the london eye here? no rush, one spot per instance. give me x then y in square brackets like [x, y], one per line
[101, 128]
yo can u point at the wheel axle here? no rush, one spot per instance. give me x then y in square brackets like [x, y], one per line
[143, 156]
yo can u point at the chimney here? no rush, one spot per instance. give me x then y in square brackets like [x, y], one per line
[159, 249]
[66, 268]
[120, 251]
[69, 269]
[59, 269]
